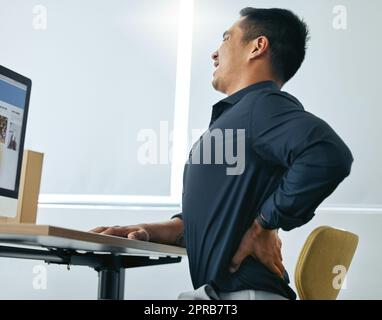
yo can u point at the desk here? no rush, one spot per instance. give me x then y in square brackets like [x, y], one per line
[108, 255]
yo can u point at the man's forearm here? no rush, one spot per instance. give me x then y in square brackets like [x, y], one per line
[169, 232]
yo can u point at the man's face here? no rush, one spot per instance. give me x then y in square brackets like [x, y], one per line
[230, 59]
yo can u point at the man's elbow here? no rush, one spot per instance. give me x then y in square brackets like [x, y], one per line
[345, 162]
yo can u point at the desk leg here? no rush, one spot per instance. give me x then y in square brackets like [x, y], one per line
[111, 284]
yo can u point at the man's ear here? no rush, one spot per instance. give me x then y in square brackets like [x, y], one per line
[259, 47]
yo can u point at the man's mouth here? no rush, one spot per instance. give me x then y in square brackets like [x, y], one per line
[216, 64]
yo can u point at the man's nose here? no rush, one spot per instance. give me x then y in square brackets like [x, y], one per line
[214, 55]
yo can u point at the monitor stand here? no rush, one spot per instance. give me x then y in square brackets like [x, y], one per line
[24, 209]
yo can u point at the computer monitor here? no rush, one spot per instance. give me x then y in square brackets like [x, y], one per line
[14, 101]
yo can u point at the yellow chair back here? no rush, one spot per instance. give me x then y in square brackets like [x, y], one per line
[324, 260]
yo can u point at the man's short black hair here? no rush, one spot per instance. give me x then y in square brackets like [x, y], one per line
[286, 33]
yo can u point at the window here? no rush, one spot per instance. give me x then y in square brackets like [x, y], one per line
[102, 72]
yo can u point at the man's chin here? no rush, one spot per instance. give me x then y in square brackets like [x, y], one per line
[215, 84]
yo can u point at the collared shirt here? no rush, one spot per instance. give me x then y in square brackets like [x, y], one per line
[292, 161]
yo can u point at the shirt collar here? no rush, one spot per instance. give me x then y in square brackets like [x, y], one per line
[237, 96]
[227, 103]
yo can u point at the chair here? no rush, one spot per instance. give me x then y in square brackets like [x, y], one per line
[316, 268]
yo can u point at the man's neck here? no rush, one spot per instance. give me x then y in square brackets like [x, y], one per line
[247, 83]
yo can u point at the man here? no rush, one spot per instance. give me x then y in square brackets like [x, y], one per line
[293, 161]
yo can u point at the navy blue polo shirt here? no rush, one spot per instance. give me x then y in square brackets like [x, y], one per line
[292, 161]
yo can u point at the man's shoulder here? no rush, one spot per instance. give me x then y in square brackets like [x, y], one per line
[271, 105]
[272, 97]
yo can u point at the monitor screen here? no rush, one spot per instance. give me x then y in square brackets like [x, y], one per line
[14, 99]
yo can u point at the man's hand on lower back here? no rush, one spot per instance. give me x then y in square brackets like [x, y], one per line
[263, 245]
[137, 232]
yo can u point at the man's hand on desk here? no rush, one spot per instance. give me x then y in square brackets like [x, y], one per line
[168, 232]
[263, 245]
[137, 232]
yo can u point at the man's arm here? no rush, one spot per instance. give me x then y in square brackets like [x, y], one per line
[314, 156]
[169, 232]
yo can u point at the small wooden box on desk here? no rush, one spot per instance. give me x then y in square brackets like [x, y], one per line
[29, 189]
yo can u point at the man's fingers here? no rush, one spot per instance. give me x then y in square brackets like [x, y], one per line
[118, 231]
[280, 267]
[131, 232]
[113, 231]
[279, 255]
[98, 229]
[101, 229]
[279, 262]
[139, 235]
[276, 269]
[279, 246]
[238, 258]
